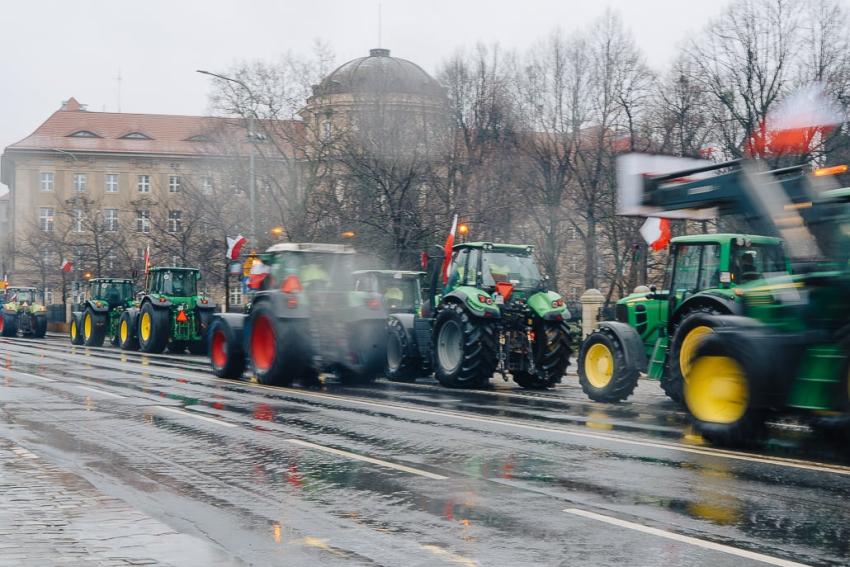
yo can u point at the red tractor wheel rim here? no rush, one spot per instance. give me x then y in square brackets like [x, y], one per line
[263, 343]
[219, 349]
[1, 323]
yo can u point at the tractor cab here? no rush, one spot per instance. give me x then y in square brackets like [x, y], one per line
[115, 292]
[401, 290]
[309, 267]
[174, 282]
[23, 296]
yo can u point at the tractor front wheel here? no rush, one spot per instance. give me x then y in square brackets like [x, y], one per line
[10, 325]
[153, 329]
[720, 390]
[39, 326]
[603, 373]
[402, 366]
[128, 338]
[551, 351]
[274, 348]
[94, 328]
[75, 330]
[226, 356]
[689, 333]
[464, 349]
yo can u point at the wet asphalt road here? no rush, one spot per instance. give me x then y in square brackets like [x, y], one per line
[413, 474]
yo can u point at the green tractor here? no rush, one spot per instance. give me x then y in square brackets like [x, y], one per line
[494, 313]
[402, 293]
[306, 319]
[170, 313]
[106, 301]
[656, 332]
[22, 313]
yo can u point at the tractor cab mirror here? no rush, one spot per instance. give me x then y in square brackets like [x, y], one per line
[198, 276]
[652, 289]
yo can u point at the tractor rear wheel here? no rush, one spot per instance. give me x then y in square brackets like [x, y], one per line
[721, 387]
[402, 366]
[687, 336]
[128, 338]
[551, 356]
[10, 325]
[153, 328]
[226, 356]
[464, 349]
[39, 326]
[94, 327]
[603, 373]
[274, 348]
[75, 329]
[368, 346]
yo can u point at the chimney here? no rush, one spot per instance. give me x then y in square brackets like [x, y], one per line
[72, 105]
[379, 52]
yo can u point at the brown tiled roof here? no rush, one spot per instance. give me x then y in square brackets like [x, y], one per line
[169, 134]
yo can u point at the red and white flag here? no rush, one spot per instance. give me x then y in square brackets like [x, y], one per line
[234, 246]
[66, 266]
[259, 272]
[447, 251]
[147, 258]
[656, 232]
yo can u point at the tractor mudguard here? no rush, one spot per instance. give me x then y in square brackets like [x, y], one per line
[549, 306]
[157, 302]
[98, 306]
[722, 303]
[422, 329]
[235, 327]
[633, 348]
[469, 298]
[133, 315]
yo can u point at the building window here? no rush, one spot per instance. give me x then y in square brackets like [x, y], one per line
[111, 182]
[206, 185]
[110, 219]
[143, 221]
[48, 296]
[235, 295]
[174, 218]
[80, 182]
[176, 262]
[79, 217]
[235, 188]
[144, 184]
[110, 261]
[45, 219]
[327, 130]
[47, 181]
[173, 183]
[140, 254]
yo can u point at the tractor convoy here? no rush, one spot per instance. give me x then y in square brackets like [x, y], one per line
[747, 323]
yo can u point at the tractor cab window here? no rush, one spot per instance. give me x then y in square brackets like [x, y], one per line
[400, 294]
[115, 293]
[516, 268]
[177, 283]
[686, 272]
[20, 296]
[710, 272]
[749, 263]
[317, 271]
[457, 269]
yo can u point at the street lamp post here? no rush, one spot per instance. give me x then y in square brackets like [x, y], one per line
[75, 285]
[252, 139]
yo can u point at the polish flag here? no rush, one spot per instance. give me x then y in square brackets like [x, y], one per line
[234, 246]
[447, 251]
[66, 266]
[147, 258]
[259, 272]
[656, 232]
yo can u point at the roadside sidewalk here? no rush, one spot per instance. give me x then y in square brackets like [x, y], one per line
[52, 517]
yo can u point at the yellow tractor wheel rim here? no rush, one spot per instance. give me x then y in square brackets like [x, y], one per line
[125, 332]
[689, 347]
[716, 390]
[599, 365]
[87, 326]
[73, 330]
[145, 327]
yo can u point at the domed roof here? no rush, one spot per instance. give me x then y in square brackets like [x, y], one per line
[379, 73]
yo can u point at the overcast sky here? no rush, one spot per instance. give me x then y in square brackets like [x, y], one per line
[52, 50]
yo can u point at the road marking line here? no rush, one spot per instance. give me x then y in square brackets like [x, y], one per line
[366, 459]
[30, 375]
[685, 539]
[780, 461]
[196, 416]
[449, 556]
[25, 453]
[104, 392]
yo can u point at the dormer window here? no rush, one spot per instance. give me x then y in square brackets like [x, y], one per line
[136, 136]
[83, 134]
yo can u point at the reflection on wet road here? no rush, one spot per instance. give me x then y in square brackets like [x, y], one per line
[412, 474]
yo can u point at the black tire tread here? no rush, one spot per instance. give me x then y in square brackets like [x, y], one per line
[625, 378]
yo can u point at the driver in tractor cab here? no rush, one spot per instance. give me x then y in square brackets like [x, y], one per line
[394, 298]
[314, 276]
[747, 270]
[113, 296]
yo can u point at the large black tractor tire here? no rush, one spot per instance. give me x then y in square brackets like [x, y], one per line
[688, 333]
[153, 328]
[464, 349]
[551, 356]
[276, 354]
[10, 325]
[369, 348]
[723, 384]
[75, 332]
[603, 372]
[39, 327]
[205, 319]
[128, 337]
[226, 354]
[402, 364]
[94, 327]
